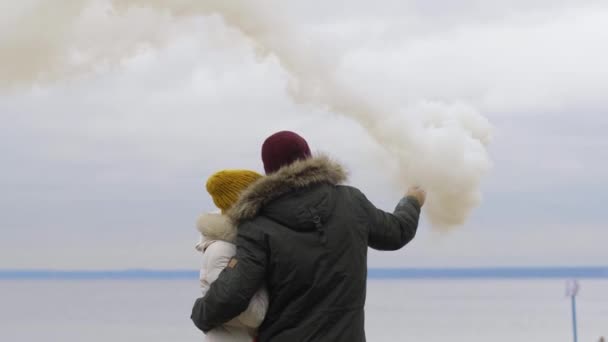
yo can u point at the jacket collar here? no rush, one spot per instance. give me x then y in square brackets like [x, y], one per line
[298, 175]
[213, 227]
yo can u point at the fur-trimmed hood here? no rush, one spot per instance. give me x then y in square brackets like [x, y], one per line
[298, 175]
[214, 226]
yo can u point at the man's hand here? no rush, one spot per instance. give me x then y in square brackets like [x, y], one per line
[417, 193]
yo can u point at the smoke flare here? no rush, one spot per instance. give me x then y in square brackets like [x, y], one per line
[439, 146]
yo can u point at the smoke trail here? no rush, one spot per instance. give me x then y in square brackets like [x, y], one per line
[28, 41]
[439, 146]
[44, 41]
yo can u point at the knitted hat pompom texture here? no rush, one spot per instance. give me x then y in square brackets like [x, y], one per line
[282, 149]
[226, 186]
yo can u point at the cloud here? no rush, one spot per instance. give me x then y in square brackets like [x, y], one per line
[529, 64]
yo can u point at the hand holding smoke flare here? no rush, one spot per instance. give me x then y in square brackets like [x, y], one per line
[439, 146]
[418, 193]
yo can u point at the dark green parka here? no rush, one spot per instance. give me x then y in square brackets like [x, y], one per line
[305, 237]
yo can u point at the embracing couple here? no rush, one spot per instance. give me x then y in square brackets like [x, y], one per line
[286, 260]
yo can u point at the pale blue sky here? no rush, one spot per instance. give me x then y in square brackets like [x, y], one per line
[106, 169]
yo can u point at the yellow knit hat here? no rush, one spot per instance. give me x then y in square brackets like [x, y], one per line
[226, 186]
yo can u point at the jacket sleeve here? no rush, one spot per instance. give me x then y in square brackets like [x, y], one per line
[218, 256]
[389, 232]
[230, 294]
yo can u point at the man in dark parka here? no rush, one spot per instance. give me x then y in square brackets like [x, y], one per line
[305, 237]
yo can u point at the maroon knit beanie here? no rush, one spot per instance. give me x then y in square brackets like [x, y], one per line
[283, 148]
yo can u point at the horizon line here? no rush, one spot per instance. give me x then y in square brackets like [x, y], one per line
[502, 272]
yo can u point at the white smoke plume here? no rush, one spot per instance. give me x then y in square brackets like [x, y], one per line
[441, 147]
[46, 41]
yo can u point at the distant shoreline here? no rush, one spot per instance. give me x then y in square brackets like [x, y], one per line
[373, 273]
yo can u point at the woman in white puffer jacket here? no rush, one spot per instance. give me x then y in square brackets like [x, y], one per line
[217, 245]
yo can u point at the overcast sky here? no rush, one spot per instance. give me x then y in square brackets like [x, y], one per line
[106, 169]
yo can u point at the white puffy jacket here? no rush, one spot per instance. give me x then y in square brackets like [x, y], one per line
[216, 244]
